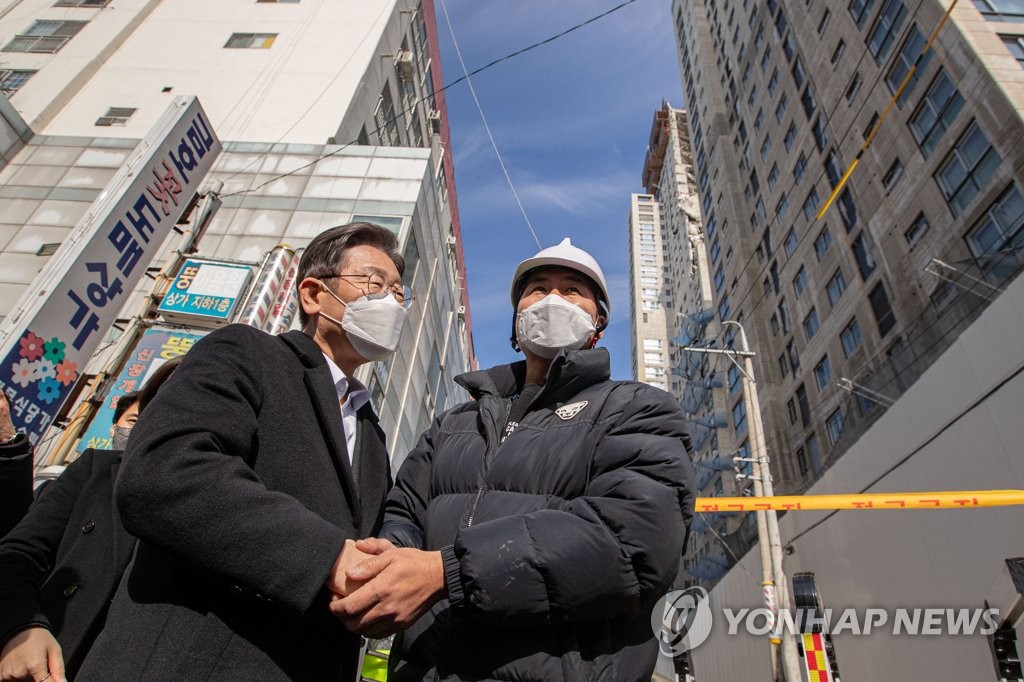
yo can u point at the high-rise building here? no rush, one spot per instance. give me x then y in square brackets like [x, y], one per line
[673, 308]
[790, 100]
[328, 113]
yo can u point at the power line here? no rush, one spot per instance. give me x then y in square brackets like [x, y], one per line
[442, 89]
[487, 127]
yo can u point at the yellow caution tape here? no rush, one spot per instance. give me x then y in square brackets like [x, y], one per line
[958, 499]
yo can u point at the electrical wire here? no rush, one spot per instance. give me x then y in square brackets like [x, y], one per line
[416, 103]
[490, 136]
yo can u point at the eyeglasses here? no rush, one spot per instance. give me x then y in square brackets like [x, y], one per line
[375, 284]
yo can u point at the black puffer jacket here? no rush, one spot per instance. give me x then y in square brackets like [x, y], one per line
[558, 543]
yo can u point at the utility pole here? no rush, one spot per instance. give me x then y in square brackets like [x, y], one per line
[776, 594]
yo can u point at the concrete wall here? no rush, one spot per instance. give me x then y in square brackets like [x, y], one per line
[957, 428]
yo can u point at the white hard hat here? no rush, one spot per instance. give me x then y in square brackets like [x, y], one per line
[567, 256]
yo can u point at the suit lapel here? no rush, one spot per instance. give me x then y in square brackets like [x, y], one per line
[324, 396]
[325, 401]
[122, 542]
[373, 470]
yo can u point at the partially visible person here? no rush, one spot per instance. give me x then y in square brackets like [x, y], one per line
[262, 462]
[15, 470]
[538, 524]
[60, 566]
[126, 413]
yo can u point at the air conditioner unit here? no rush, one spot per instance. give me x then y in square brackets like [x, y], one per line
[461, 312]
[434, 119]
[404, 66]
[452, 243]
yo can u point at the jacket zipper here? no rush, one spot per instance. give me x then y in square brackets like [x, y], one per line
[488, 456]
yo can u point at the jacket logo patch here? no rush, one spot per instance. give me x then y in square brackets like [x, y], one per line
[567, 412]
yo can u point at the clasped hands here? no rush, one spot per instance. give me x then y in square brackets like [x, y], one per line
[379, 589]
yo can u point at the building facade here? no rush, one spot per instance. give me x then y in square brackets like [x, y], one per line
[327, 113]
[847, 309]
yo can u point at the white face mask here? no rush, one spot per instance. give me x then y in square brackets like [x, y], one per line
[551, 324]
[373, 324]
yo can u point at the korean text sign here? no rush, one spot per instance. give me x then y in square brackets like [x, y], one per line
[50, 338]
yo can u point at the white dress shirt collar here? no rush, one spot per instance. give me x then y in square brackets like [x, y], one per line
[355, 396]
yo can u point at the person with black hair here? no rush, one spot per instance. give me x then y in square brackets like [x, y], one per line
[260, 463]
[533, 529]
[60, 566]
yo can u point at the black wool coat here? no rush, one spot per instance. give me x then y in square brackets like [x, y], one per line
[60, 566]
[15, 482]
[238, 484]
[556, 542]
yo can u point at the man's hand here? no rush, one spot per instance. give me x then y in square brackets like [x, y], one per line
[7, 430]
[32, 654]
[400, 585]
[338, 581]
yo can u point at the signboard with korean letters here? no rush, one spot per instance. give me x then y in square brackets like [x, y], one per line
[156, 347]
[205, 293]
[58, 324]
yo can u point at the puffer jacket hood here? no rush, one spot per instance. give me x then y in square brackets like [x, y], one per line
[557, 542]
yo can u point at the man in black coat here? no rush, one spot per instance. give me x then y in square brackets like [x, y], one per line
[15, 470]
[262, 461]
[539, 524]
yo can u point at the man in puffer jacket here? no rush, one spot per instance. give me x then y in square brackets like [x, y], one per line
[537, 525]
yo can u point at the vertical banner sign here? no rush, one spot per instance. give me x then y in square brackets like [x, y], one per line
[156, 347]
[59, 323]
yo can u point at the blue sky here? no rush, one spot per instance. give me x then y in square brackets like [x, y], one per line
[571, 120]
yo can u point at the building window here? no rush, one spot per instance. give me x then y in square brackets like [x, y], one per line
[790, 136]
[859, 10]
[917, 230]
[734, 379]
[801, 461]
[723, 309]
[811, 205]
[783, 366]
[833, 169]
[822, 244]
[823, 373]
[800, 281]
[116, 116]
[719, 278]
[652, 344]
[97, 4]
[766, 58]
[11, 80]
[939, 107]
[759, 121]
[716, 250]
[799, 168]
[773, 83]
[862, 254]
[385, 119]
[653, 358]
[799, 74]
[254, 41]
[882, 309]
[773, 176]
[1015, 44]
[809, 101]
[781, 207]
[847, 209]
[968, 167]
[820, 133]
[823, 24]
[906, 58]
[739, 417]
[774, 321]
[811, 324]
[853, 88]
[1001, 227]
[789, 46]
[1001, 10]
[804, 405]
[45, 36]
[835, 424]
[780, 108]
[850, 337]
[892, 176]
[766, 147]
[790, 243]
[791, 410]
[886, 28]
[835, 287]
[837, 53]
